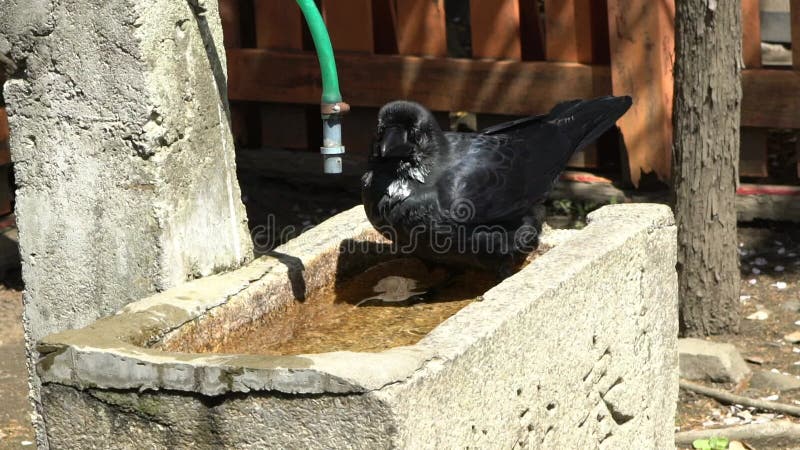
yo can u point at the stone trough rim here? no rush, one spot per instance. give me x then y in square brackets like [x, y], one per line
[104, 354]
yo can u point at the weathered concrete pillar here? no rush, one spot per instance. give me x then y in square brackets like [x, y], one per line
[123, 152]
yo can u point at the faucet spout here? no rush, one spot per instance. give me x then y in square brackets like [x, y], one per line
[332, 148]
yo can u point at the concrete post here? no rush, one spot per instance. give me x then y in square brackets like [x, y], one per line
[123, 152]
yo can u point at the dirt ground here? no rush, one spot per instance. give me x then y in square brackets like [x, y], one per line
[15, 428]
[770, 268]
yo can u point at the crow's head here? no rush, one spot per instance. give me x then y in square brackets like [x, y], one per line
[405, 130]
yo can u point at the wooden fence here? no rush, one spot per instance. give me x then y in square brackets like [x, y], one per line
[523, 61]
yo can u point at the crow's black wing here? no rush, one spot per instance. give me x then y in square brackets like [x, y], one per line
[522, 124]
[504, 170]
[499, 177]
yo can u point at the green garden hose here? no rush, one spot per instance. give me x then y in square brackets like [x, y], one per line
[322, 42]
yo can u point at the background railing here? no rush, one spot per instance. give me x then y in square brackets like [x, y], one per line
[492, 58]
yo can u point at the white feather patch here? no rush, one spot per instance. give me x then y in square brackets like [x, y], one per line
[399, 188]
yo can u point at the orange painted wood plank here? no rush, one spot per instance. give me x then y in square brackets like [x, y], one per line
[442, 84]
[349, 24]
[421, 28]
[642, 50]
[231, 17]
[576, 30]
[495, 28]
[751, 34]
[279, 25]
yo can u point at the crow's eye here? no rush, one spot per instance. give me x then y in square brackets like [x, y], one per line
[414, 134]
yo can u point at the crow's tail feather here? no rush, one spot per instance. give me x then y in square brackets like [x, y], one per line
[586, 120]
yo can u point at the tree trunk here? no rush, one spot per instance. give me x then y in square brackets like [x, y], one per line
[705, 163]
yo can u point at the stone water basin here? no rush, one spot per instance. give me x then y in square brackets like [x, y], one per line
[296, 350]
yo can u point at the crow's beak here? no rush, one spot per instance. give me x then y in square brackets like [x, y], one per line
[395, 143]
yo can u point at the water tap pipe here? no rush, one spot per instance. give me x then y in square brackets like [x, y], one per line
[331, 107]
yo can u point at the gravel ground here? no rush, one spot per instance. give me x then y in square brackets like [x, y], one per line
[770, 272]
[15, 428]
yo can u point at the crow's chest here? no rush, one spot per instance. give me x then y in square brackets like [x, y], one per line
[395, 202]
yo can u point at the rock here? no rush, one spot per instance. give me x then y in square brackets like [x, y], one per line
[706, 360]
[791, 305]
[793, 337]
[773, 381]
[775, 54]
[761, 314]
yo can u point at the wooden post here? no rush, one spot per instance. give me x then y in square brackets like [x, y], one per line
[642, 41]
[421, 28]
[753, 151]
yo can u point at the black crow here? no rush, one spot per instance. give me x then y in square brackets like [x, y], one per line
[473, 199]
